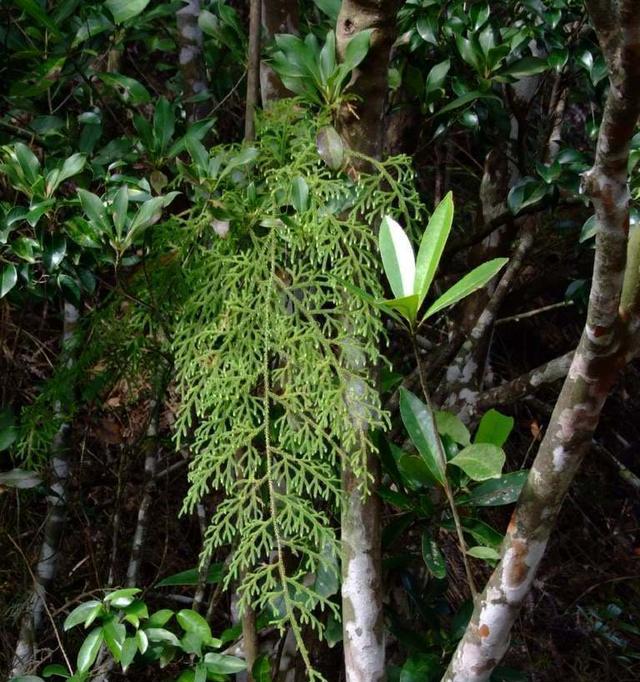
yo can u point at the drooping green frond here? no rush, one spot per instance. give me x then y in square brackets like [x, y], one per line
[260, 350]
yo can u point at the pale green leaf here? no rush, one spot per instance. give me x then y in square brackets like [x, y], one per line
[397, 258]
[123, 10]
[432, 246]
[89, 650]
[480, 461]
[471, 282]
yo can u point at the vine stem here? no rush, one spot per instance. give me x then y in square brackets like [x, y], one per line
[443, 462]
[295, 626]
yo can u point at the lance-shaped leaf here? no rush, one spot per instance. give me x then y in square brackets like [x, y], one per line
[407, 306]
[471, 282]
[397, 257]
[432, 246]
[421, 427]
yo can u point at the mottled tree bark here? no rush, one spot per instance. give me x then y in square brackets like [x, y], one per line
[253, 71]
[191, 60]
[47, 565]
[360, 124]
[608, 341]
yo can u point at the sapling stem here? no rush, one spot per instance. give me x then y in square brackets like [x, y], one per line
[443, 462]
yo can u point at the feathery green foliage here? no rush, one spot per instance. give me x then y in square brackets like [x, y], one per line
[263, 352]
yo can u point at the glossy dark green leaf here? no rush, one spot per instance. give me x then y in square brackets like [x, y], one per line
[80, 614]
[163, 123]
[57, 670]
[55, 248]
[224, 665]
[114, 634]
[190, 577]
[432, 556]
[128, 652]
[330, 147]
[35, 11]
[8, 278]
[357, 49]
[421, 427]
[89, 650]
[191, 621]
[421, 668]
[300, 194]
[527, 66]
[121, 598]
[498, 491]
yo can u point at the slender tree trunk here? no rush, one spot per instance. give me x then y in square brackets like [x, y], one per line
[253, 71]
[278, 16]
[609, 340]
[192, 66]
[360, 125]
[47, 566]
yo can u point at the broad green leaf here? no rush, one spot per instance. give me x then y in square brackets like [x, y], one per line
[483, 553]
[114, 634]
[35, 11]
[95, 210]
[163, 123]
[329, 7]
[55, 669]
[356, 49]
[527, 66]
[142, 640]
[80, 614]
[128, 653]
[119, 209]
[121, 598]
[427, 28]
[480, 461]
[451, 425]
[480, 531]
[497, 492]
[300, 194]
[432, 246]
[261, 670]
[131, 90]
[190, 577]
[191, 621]
[224, 665]
[471, 282]
[407, 306]
[83, 232]
[415, 473]
[436, 77]
[494, 428]
[28, 161]
[421, 427]
[135, 612]
[465, 99]
[8, 278]
[123, 10]
[37, 210]
[589, 229]
[71, 166]
[55, 249]
[433, 557]
[330, 147]
[161, 635]
[89, 650]
[397, 258]
[23, 248]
